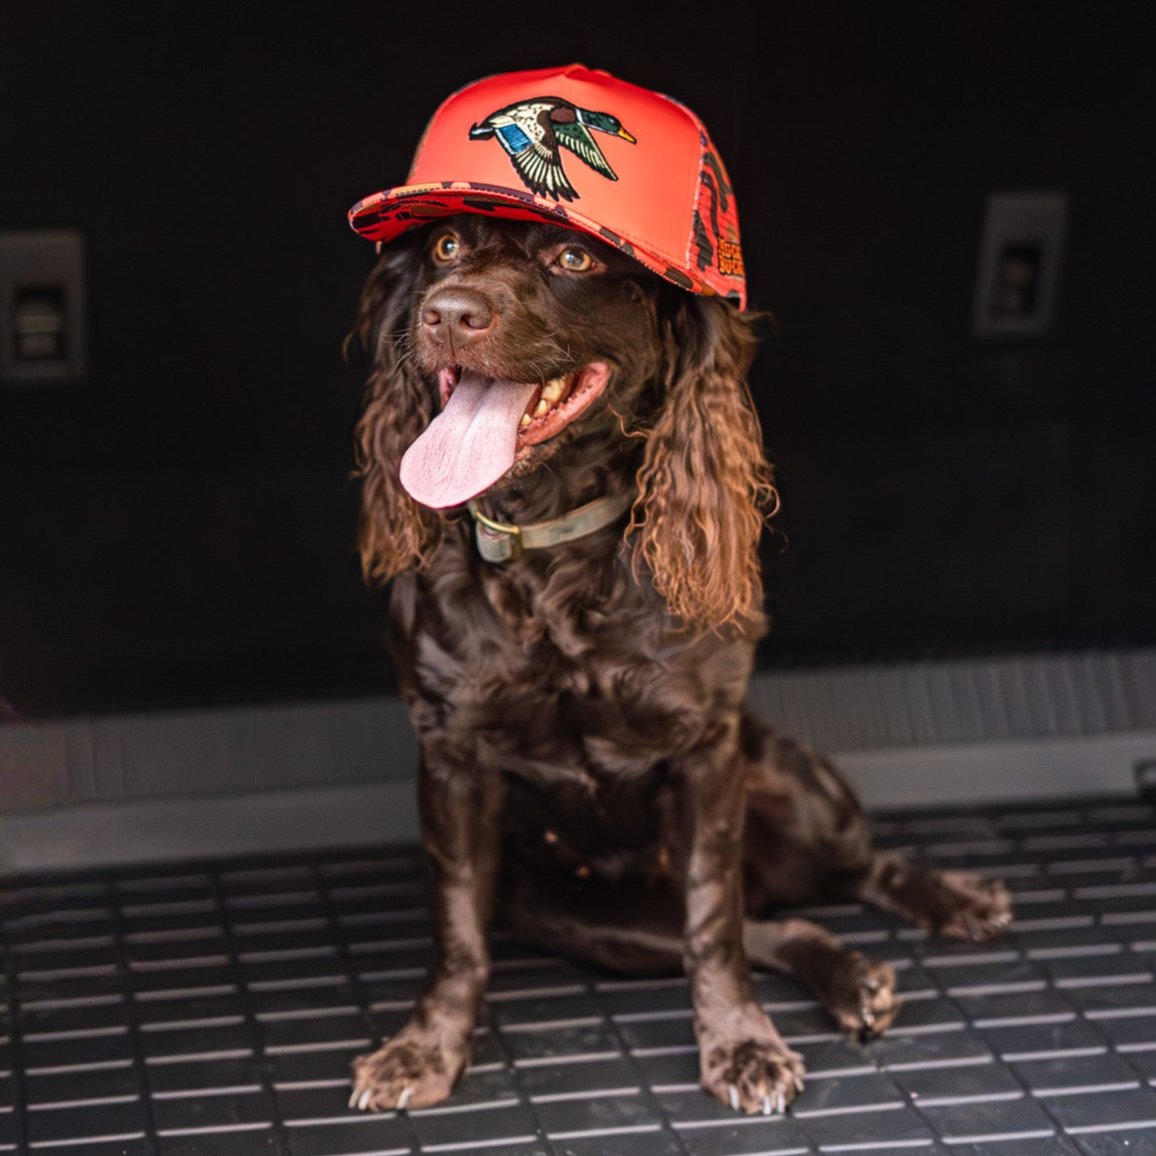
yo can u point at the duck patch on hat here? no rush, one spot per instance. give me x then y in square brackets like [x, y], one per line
[533, 133]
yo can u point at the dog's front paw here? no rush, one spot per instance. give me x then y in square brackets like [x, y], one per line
[412, 1070]
[759, 1074]
[976, 908]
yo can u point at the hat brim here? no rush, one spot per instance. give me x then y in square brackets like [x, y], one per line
[386, 215]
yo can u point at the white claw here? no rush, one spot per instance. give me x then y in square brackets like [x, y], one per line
[782, 1103]
[766, 1105]
[365, 1099]
[405, 1097]
[354, 1096]
[733, 1095]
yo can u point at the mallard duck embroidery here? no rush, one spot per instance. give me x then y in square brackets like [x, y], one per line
[532, 131]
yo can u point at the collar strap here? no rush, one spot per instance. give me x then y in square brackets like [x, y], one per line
[503, 542]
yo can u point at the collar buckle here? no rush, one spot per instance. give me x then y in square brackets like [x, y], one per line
[497, 541]
[504, 542]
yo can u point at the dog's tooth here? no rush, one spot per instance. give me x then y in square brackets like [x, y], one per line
[525, 420]
[552, 390]
[542, 407]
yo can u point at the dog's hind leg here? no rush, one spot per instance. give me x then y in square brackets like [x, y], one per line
[808, 837]
[629, 927]
[954, 904]
[857, 992]
[635, 928]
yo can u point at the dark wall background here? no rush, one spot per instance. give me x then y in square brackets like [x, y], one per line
[178, 527]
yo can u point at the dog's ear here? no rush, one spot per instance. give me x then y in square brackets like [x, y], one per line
[705, 486]
[394, 532]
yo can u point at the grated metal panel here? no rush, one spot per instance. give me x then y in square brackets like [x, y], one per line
[214, 1008]
[1003, 698]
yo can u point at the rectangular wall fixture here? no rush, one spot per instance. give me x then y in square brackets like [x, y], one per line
[42, 307]
[1019, 263]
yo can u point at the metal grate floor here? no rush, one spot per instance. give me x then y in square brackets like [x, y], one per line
[214, 1010]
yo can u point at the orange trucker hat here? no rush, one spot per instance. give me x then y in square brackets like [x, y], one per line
[579, 148]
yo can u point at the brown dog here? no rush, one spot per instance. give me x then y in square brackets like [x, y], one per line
[574, 647]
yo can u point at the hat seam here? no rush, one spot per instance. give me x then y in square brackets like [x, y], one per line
[695, 177]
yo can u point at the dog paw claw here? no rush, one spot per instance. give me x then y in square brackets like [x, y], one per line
[771, 1105]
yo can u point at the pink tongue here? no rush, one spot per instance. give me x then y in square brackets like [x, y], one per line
[469, 445]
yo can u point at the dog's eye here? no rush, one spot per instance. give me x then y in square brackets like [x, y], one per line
[446, 247]
[575, 259]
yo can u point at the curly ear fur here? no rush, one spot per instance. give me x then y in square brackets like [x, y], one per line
[705, 486]
[394, 532]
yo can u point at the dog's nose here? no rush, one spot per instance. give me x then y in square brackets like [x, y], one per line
[457, 316]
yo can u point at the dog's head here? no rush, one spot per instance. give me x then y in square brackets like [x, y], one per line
[534, 336]
[587, 354]
[503, 339]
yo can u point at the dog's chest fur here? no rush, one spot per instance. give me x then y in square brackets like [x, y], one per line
[588, 689]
